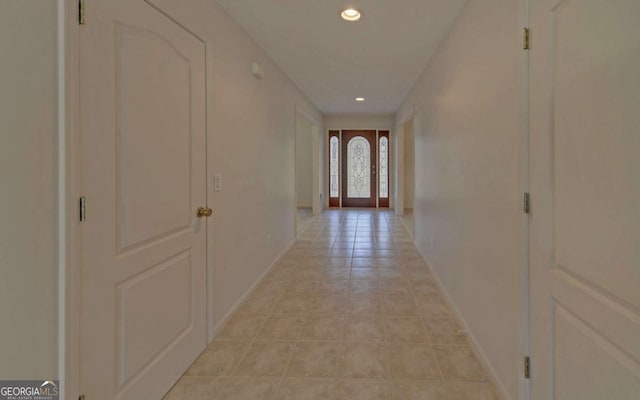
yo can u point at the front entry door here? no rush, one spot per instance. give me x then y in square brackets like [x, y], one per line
[143, 319]
[359, 168]
[585, 200]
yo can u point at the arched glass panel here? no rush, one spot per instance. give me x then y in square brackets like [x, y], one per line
[334, 169]
[358, 168]
[384, 167]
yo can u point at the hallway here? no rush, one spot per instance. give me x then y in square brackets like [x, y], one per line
[154, 155]
[349, 312]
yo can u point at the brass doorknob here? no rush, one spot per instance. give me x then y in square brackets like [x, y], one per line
[204, 212]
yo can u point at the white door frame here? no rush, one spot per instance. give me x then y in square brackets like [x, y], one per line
[399, 158]
[399, 170]
[524, 335]
[70, 266]
[316, 204]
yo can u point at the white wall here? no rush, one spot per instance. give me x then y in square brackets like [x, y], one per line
[251, 142]
[409, 165]
[304, 162]
[359, 121]
[466, 208]
[28, 136]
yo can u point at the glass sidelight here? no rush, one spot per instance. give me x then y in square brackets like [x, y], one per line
[383, 169]
[334, 168]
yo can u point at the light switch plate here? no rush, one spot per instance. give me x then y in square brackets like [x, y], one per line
[217, 183]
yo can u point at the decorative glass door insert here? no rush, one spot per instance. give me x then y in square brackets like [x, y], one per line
[359, 168]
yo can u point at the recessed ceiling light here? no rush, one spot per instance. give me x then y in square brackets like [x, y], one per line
[350, 14]
[360, 99]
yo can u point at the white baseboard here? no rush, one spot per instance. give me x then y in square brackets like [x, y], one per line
[473, 341]
[243, 298]
[411, 232]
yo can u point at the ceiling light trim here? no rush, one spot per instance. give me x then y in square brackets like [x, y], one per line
[351, 14]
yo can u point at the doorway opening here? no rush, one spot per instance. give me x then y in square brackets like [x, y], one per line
[359, 168]
[307, 178]
[409, 175]
[404, 163]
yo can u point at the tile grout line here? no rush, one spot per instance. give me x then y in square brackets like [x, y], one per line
[320, 252]
[297, 339]
[255, 337]
[424, 327]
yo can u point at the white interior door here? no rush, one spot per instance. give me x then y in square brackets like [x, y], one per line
[585, 215]
[143, 155]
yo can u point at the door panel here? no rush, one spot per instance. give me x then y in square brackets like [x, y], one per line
[149, 67]
[585, 221]
[167, 286]
[359, 168]
[609, 373]
[143, 318]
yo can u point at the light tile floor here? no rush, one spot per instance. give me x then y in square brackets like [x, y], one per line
[350, 312]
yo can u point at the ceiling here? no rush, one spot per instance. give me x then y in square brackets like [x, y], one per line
[333, 61]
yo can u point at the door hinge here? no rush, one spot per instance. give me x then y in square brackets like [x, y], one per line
[527, 367]
[82, 209]
[526, 39]
[526, 203]
[81, 7]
